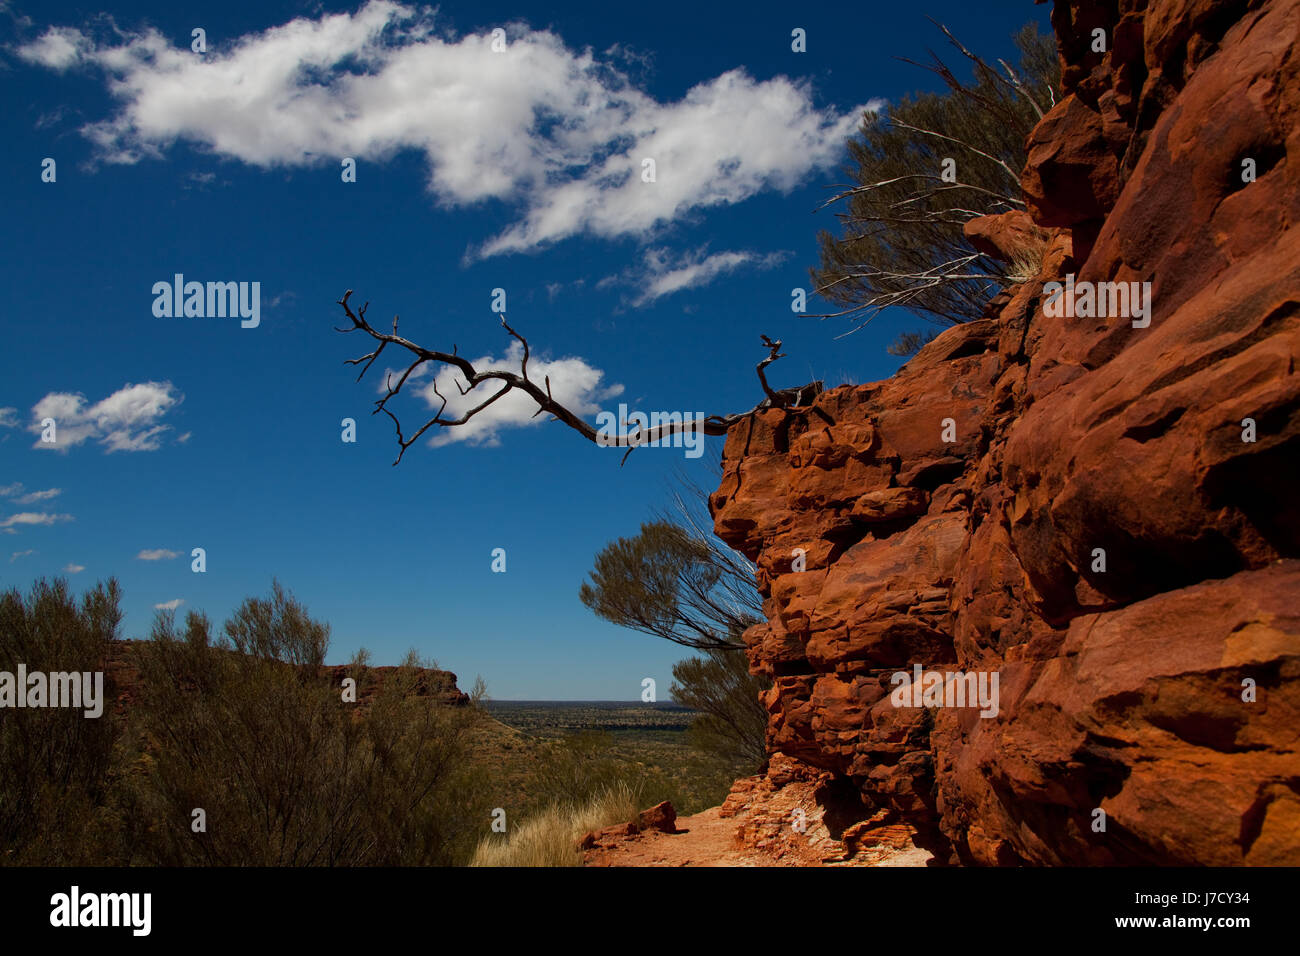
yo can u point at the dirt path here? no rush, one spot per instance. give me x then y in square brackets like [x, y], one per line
[705, 839]
[786, 822]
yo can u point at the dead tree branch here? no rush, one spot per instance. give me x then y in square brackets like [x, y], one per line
[506, 381]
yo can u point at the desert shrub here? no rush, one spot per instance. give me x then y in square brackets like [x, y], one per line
[901, 241]
[246, 728]
[550, 838]
[55, 762]
[582, 765]
[909, 343]
[288, 774]
[733, 720]
[676, 581]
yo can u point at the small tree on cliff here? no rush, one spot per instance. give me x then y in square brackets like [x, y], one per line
[676, 580]
[673, 582]
[921, 168]
[484, 387]
[670, 583]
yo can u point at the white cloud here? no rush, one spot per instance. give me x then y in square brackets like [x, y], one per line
[7, 491]
[74, 568]
[32, 497]
[20, 554]
[726, 140]
[57, 48]
[663, 275]
[33, 518]
[557, 131]
[8, 417]
[171, 605]
[574, 384]
[157, 554]
[127, 420]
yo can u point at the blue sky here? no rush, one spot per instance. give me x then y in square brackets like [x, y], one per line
[476, 170]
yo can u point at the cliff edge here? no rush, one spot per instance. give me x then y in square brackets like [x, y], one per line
[1099, 512]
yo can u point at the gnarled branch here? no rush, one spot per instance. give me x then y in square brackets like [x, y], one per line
[787, 398]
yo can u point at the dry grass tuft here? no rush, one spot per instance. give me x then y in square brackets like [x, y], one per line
[551, 837]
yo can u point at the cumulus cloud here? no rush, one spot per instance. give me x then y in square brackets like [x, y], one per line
[20, 554]
[74, 568]
[171, 605]
[574, 384]
[33, 518]
[8, 417]
[664, 274]
[560, 133]
[157, 554]
[127, 420]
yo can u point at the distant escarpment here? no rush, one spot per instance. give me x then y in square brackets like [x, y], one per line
[1100, 511]
[123, 670]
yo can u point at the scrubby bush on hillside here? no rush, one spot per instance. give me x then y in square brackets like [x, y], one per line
[56, 763]
[245, 728]
[289, 774]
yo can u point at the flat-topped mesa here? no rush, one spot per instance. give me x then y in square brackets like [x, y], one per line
[123, 670]
[1100, 513]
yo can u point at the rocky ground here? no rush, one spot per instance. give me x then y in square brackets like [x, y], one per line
[791, 816]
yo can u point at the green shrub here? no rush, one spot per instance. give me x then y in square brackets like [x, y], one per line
[287, 773]
[901, 241]
[54, 761]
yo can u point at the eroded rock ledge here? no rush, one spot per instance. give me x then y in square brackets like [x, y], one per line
[1120, 690]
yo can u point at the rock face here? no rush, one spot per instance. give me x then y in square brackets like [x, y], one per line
[1100, 513]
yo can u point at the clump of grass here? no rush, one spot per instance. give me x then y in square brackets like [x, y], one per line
[550, 838]
[1026, 262]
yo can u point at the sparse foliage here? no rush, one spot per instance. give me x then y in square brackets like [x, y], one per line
[672, 584]
[289, 775]
[901, 242]
[677, 581]
[909, 343]
[733, 720]
[550, 838]
[55, 763]
[247, 728]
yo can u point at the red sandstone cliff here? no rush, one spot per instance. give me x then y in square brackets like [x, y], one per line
[1120, 690]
